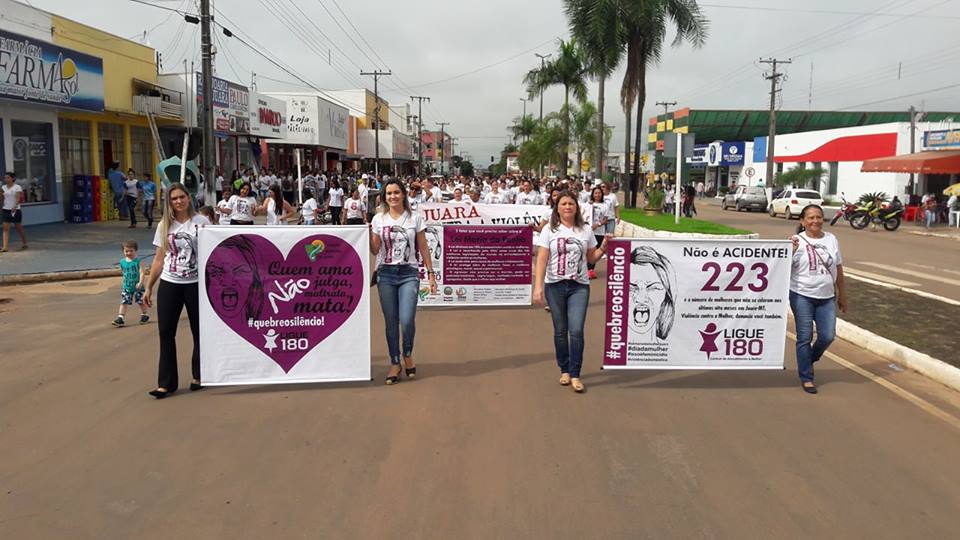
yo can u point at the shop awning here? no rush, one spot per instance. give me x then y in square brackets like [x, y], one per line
[930, 162]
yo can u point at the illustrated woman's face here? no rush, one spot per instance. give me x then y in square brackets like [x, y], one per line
[646, 296]
[229, 286]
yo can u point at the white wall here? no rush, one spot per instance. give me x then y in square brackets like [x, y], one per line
[366, 140]
[22, 19]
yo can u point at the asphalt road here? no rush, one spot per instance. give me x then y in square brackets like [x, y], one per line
[485, 444]
[924, 263]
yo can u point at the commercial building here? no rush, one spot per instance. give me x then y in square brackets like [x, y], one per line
[435, 156]
[73, 100]
[319, 128]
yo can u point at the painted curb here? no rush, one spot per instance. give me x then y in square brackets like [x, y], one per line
[923, 364]
[45, 277]
[935, 235]
[629, 230]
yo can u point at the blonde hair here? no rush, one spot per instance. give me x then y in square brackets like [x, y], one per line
[166, 220]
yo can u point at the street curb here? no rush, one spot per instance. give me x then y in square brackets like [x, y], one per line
[69, 275]
[629, 230]
[923, 364]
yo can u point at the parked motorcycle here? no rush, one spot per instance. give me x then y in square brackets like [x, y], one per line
[846, 211]
[890, 218]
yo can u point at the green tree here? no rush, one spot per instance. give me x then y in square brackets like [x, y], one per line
[466, 168]
[597, 26]
[567, 69]
[501, 166]
[645, 24]
[585, 125]
[545, 145]
[801, 178]
[523, 127]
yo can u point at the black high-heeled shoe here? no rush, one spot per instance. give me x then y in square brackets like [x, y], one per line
[160, 394]
[411, 372]
[392, 379]
[195, 386]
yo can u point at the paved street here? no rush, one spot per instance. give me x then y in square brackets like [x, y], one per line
[484, 445]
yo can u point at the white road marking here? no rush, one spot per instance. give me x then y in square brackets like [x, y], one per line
[933, 268]
[904, 289]
[924, 275]
[925, 405]
[878, 277]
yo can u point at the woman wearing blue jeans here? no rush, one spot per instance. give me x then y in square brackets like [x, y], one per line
[397, 234]
[816, 291]
[566, 246]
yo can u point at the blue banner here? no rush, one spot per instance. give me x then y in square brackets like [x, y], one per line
[938, 140]
[40, 72]
[732, 154]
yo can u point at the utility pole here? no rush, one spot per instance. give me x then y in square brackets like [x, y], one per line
[773, 77]
[542, 58]
[524, 116]
[420, 100]
[666, 107]
[376, 115]
[443, 152]
[913, 141]
[206, 55]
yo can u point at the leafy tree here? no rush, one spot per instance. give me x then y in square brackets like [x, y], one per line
[597, 26]
[567, 69]
[523, 127]
[545, 145]
[501, 166]
[645, 25]
[466, 168]
[800, 177]
[586, 120]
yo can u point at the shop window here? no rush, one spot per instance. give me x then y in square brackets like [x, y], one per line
[33, 165]
[141, 151]
[834, 178]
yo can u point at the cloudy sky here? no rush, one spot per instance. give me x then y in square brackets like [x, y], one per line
[470, 57]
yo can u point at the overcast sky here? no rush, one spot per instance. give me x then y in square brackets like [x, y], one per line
[856, 58]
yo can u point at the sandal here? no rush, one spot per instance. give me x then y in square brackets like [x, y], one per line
[392, 379]
[564, 379]
[577, 385]
[809, 387]
[411, 372]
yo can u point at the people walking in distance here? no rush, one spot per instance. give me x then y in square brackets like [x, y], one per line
[565, 247]
[816, 291]
[175, 267]
[355, 209]
[131, 193]
[13, 198]
[601, 211]
[397, 234]
[309, 208]
[131, 285]
[149, 199]
[336, 202]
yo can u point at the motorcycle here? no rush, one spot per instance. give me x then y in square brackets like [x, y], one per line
[845, 212]
[890, 218]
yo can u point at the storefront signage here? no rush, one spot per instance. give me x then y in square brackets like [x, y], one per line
[732, 154]
[268, 117]
[939, 140]
[40, 72]
[333, 117]
[699, 158]
[231, 104]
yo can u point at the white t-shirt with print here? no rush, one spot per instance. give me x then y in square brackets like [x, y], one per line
[584, 196]
[241, 208]
[568, 252]
[494, 198]
[613, 202]
[336, 197]
[224, 218]
[600, 210]
[528, 198]
[398, 237]
[815, 266]
[11, 196]
[180, 259]
[131, 187]
[356, 208]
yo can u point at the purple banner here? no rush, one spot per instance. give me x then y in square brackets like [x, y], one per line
[487, 255]
[618, 293]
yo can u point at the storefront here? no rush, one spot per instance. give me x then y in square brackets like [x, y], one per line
[39, 79]
[729, 164]
[937, 166]
[317, 128]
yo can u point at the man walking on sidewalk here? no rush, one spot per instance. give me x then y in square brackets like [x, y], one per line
[118, 186]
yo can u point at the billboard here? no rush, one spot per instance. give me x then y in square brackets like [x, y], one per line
[268, 117]
[231, 106]
[40, 72]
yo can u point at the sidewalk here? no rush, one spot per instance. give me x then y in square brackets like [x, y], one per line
[58, 247]
[939, 231]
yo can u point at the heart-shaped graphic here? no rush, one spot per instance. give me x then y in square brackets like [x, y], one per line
[284, 306]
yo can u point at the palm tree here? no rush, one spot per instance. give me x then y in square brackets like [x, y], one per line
[567, 69]
[645, 25]
[596, 24]
[523, 127]
[545, 144]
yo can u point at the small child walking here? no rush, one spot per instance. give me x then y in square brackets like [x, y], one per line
[131, 289]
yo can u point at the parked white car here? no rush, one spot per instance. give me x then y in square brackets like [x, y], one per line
[792, 201]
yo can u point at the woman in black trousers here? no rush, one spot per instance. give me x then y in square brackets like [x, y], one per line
[175, 267]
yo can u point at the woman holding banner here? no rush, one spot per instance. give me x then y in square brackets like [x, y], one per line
[816, 290]
[397, 234]
[175, 267]
[567, 246]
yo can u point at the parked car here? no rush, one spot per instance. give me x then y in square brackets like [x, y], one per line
[792, 201]
[746, 198]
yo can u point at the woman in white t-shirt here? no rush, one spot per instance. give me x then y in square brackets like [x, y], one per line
[601, 211]
[223, 218]
[309, 208]
[396, 236]
[12, 214]
[130, 193]
[336, 202]
[816, 290]
[566, 246]
[356, 209]
[242, 207]
[175, 267]
[274, 202]
[613, 217]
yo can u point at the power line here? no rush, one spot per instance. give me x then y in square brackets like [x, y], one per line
[823, 11]
[488, 66]
[914, 94]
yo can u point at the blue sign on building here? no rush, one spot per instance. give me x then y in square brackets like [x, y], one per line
[40, 72]
[938, 140]
[760, 150]
[732, 154]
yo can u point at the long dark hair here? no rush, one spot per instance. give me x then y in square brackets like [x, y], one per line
[245, 249]
[661, 265]
[803, 213]
[550, 196]
[277, 198]
[384, 207]
[593, 193]
[555, 216]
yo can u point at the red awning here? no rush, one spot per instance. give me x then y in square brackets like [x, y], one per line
[930, 162]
